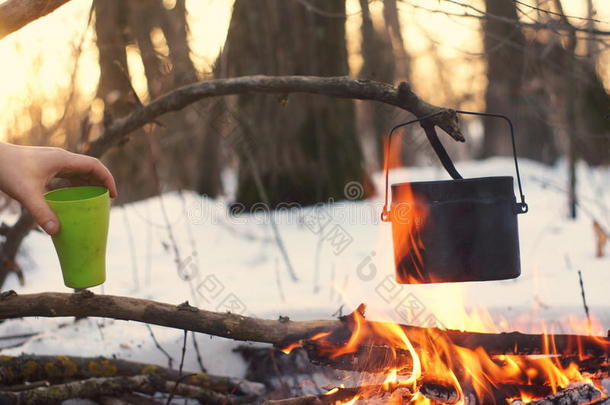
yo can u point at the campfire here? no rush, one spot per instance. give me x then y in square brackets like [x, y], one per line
[399, 364]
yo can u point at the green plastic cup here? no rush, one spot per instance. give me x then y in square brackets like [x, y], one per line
[80, 244]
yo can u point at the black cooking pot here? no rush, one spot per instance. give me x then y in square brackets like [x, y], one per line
[454, 230]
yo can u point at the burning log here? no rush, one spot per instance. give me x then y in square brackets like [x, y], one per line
[493, 343]
[440, 393]
[367, 358]
[343, 394]
[573, 395]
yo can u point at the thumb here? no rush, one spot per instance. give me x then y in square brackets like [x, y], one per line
[42, 214]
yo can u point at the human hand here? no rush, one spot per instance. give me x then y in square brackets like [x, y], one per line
[26, 170]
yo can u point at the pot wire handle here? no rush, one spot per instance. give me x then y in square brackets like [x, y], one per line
[521, 208]
[438, 148]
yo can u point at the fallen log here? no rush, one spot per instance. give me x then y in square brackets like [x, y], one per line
[279, 332]
[574, 395]
[59, 369]
[112, 386]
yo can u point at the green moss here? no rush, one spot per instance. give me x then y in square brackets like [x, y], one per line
[70, 367]
[52, 370]
[29, 368]
[103, 368]
[150, 369]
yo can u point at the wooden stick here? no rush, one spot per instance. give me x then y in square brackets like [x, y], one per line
[342, 394]
[278, 332]
[339, 87]
[15, 14]
[59, 369]
[111, 386]
[575, 394]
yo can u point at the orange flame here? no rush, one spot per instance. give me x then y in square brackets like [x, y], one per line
[408, 217]
[433, 357]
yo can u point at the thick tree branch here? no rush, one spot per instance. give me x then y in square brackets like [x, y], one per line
[15, 14]
[60, 369]
[277, 332]
[95, 387]
[339, 87]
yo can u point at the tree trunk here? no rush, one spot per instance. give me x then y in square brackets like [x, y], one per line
[394, 30]
[110, 29]
[379, 63]
[178, 166]
[303, 149]
[513, 89]
[131, 172]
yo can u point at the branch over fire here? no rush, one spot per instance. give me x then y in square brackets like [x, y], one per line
[15, 14]
[277, 332]
[340, 87]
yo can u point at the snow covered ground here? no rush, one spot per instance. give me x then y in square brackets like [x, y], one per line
[233, 263]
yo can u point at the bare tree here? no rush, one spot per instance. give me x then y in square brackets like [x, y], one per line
[514, 88]
[379, 63]
[293, 149]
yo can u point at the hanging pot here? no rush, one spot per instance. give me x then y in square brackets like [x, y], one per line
[454, 230]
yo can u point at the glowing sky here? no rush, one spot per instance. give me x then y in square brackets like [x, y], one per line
[38, 60]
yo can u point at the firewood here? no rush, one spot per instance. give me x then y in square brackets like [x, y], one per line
[378, 359]
[369, 358]
[111, 386]
[279, 332]
[438, 393]
[601, 401]
[448, 395]
[343, 394]
[574, 395]
[56, 369]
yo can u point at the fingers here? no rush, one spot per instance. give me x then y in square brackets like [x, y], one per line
[84, 166]
[41, 212]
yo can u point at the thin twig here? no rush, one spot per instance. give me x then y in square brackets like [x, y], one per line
[278, 281]
[170, 359]
[584, 301]
[171, 395]
[262, 192]
[558, 14]
[198, 353]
